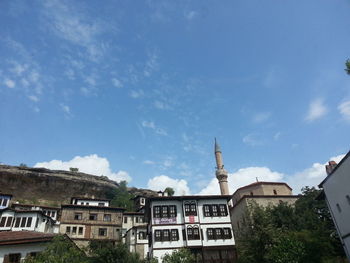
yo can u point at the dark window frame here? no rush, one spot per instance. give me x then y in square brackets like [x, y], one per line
[93, 217]
[102, 232]
[78, 216]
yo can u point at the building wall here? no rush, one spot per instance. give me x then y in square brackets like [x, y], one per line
[23, 249]
[90, 202]
[337, 192]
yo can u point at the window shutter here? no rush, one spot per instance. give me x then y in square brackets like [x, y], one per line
[6, 259]
[183, 234]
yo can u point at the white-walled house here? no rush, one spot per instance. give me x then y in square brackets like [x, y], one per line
[131, 219]
[199, 223]
[14, 220]
[5, 200]
[90, 201]
[336, 187]
[136, 240]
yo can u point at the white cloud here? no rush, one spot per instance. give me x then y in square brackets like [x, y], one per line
[18, 69]
[161, 105]
[135, 94]
[151, 125]
[277, 136]
[33, 98]
[148, 162]
[10, 83]
[159, 183]
[91, 164]
[317, 110]
[151, 64]
[243, 177]
[261, 117]
[117, 83]
[189, 15]
[252, 139]
[344, 109]
[65, 109]
[90, 80]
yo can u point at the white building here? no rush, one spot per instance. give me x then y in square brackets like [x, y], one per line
[200, 223]
[16, 246]
[336, 188]
[136, 240]
[5, 200]
[15, 220]
[90, 201]
[131, 219]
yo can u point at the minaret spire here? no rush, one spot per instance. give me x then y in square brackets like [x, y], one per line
[221, 173]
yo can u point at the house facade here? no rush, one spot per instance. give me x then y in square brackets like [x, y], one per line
[136, 240]
[5, 200]
[83, 223]
[337, 194]
[199, 223]
[260, 193]
[18, 220]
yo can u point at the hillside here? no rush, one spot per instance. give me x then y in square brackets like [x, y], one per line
[53, 187]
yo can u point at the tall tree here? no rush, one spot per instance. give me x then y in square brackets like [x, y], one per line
[347, 64]
[122, 198]
[170, 191]
[179, 256]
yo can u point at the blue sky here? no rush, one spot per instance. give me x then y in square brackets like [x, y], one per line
[138, 91]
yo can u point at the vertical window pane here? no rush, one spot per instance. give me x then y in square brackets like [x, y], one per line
[29, 221]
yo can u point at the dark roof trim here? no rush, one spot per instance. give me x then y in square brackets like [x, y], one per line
[93, 207]
[265, 196]
[190, 197]
[261, 183]
[335, 168]
[6, 194]
[134, 213]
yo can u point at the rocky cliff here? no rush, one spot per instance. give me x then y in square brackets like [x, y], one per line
[53, 187]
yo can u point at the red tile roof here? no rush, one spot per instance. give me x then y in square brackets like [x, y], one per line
[20, 237]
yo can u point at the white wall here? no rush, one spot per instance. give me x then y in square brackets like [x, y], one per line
[90, 202]
[179, 217]
[23, 249]
[216, 219]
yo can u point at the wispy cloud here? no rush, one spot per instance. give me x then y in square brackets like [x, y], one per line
[344, 109]
[151, 125]
[149, 162]
[135, 94]
[190, 15]
[277, 136]
[261, 117]
[161, 105]
[252, 139]
[9, 83]
[66, 109]
[317, 109]
[117, 83]
[151, 64]
[33, 98]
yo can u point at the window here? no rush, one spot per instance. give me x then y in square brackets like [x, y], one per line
[142, 201]
[172, 210]
[74, 230]
[82, 203]
[190, 209]
[18, 220]
[87, 203]
[23, 222]
[206, 210]
[4, 202]
[174, 235]
[77, 216]
[142, 235]
[196, 232]
[93, 217]
[218, 233]
[274, 192]
[214, 210]
[227, 233]
[189, 233]
[53, 213]
[136, 219]
[210, 233]
[193, 209]
[165, 211]
[14, 258]
[223, 210]
[142, 219]
[68, 230]
[348, 198]
[2, 221]
[156, 211]
[80, 231]
[193, 233]
[29, 222]
[48, 213]
[107, 217]
[102, 231]
[166, 235]
[9, 221]
[251, 193]
[158, 235]
[101, 204]
[125, 219]
[187, 209]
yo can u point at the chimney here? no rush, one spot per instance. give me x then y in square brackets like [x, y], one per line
[330, 167]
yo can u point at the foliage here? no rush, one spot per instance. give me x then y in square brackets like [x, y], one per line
[60, 250]
[347, 64]
[122, 198]
[106, 252]
[23, 165]
[301, 233]
[170, 191]
[180, 256]
[73, 169]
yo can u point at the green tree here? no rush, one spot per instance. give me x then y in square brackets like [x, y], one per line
[179, 256]
[73, 169]
[106, 252]
[122, 197]
[347, 64]
[60, 250]
[170, 191]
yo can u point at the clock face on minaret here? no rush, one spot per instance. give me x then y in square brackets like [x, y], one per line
[221, 173]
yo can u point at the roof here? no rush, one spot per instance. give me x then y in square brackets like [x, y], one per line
[20, 237]
[261, 183]
[335, 168]
[41, 206]
[93, 207]
[134, 213]
[190, 197]
[6, 194]
[91, 199]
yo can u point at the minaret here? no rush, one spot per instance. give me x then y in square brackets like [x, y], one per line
[221, 173]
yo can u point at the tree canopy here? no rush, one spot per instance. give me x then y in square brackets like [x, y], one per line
[179, 256]
[122, 198]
